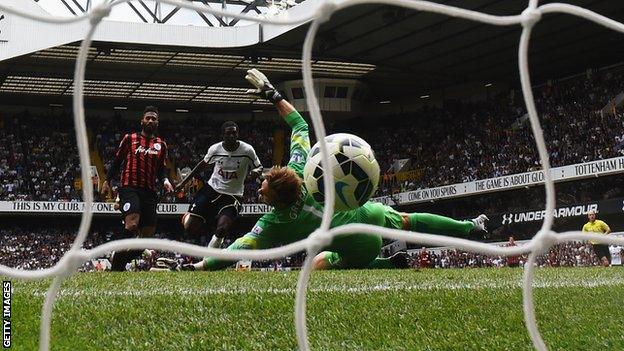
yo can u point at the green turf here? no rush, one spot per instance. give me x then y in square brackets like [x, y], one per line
[469, 309]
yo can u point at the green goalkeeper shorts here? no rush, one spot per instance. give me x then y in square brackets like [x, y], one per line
[356, 250]
[393, 218]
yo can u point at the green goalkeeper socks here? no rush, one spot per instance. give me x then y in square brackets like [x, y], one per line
[436, 224]
[430, 224]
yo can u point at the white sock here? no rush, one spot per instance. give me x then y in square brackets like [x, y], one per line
[215, 242]
[199, 266]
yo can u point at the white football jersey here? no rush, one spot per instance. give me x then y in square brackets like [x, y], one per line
[231, 167]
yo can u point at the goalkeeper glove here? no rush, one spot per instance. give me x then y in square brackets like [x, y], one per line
[264, 88]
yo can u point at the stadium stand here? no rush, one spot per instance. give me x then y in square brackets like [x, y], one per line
[483, 142]
[488, 140]
[34, 162]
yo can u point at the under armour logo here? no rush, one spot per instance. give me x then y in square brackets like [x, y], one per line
[508, 218]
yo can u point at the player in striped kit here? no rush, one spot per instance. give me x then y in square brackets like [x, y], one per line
[143, 156]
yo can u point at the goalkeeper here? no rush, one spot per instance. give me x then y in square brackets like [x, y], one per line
[296, 215]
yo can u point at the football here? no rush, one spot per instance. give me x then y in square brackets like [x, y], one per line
[353, 166]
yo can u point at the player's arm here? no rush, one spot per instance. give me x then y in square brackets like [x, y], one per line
[199, 167]
[255, 172]
[113, 171]
[300, 133]
[299, 138]
[162, 170]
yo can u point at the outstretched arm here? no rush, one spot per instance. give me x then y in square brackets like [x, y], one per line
[284, 108]
[266, 90]
[256, 171]
[299, 138]
[201, 165]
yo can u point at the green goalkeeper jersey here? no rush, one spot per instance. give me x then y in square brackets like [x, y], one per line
[297, 221]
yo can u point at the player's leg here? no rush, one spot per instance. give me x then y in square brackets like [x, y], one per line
[130, 206]
[228, 209]
[433, 224]
[436, 224]
[607, 255]
[195, 218]
[192, 223]
[122, 257]
[131, 224]
[224, 223]
[426, 223]
[603, 254]
[147, 219]
[349, 252]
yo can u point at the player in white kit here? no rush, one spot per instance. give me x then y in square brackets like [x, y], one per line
[220, 198]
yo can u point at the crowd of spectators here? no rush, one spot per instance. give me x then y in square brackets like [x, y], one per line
[570, 254]
[29, 246]
[465, 141]
[459, 142]
[34, 160]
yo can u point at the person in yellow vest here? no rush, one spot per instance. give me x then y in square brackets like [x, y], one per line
[597, 226]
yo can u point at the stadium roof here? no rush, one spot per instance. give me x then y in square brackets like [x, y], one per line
[397, 52]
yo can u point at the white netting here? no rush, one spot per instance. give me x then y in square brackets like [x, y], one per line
[540, 243]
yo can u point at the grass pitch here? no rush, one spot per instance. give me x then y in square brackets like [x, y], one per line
[467, 309]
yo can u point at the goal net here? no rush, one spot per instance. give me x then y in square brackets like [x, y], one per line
[540, 243]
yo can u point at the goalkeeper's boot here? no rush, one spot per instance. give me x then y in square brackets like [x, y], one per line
[400, 260]
[164, 262]
[479, 231]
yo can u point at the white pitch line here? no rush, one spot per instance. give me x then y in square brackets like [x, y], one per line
[177, 291]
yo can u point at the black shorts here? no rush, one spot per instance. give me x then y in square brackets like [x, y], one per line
[141, 201]
[601, 251]
[210, 204]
